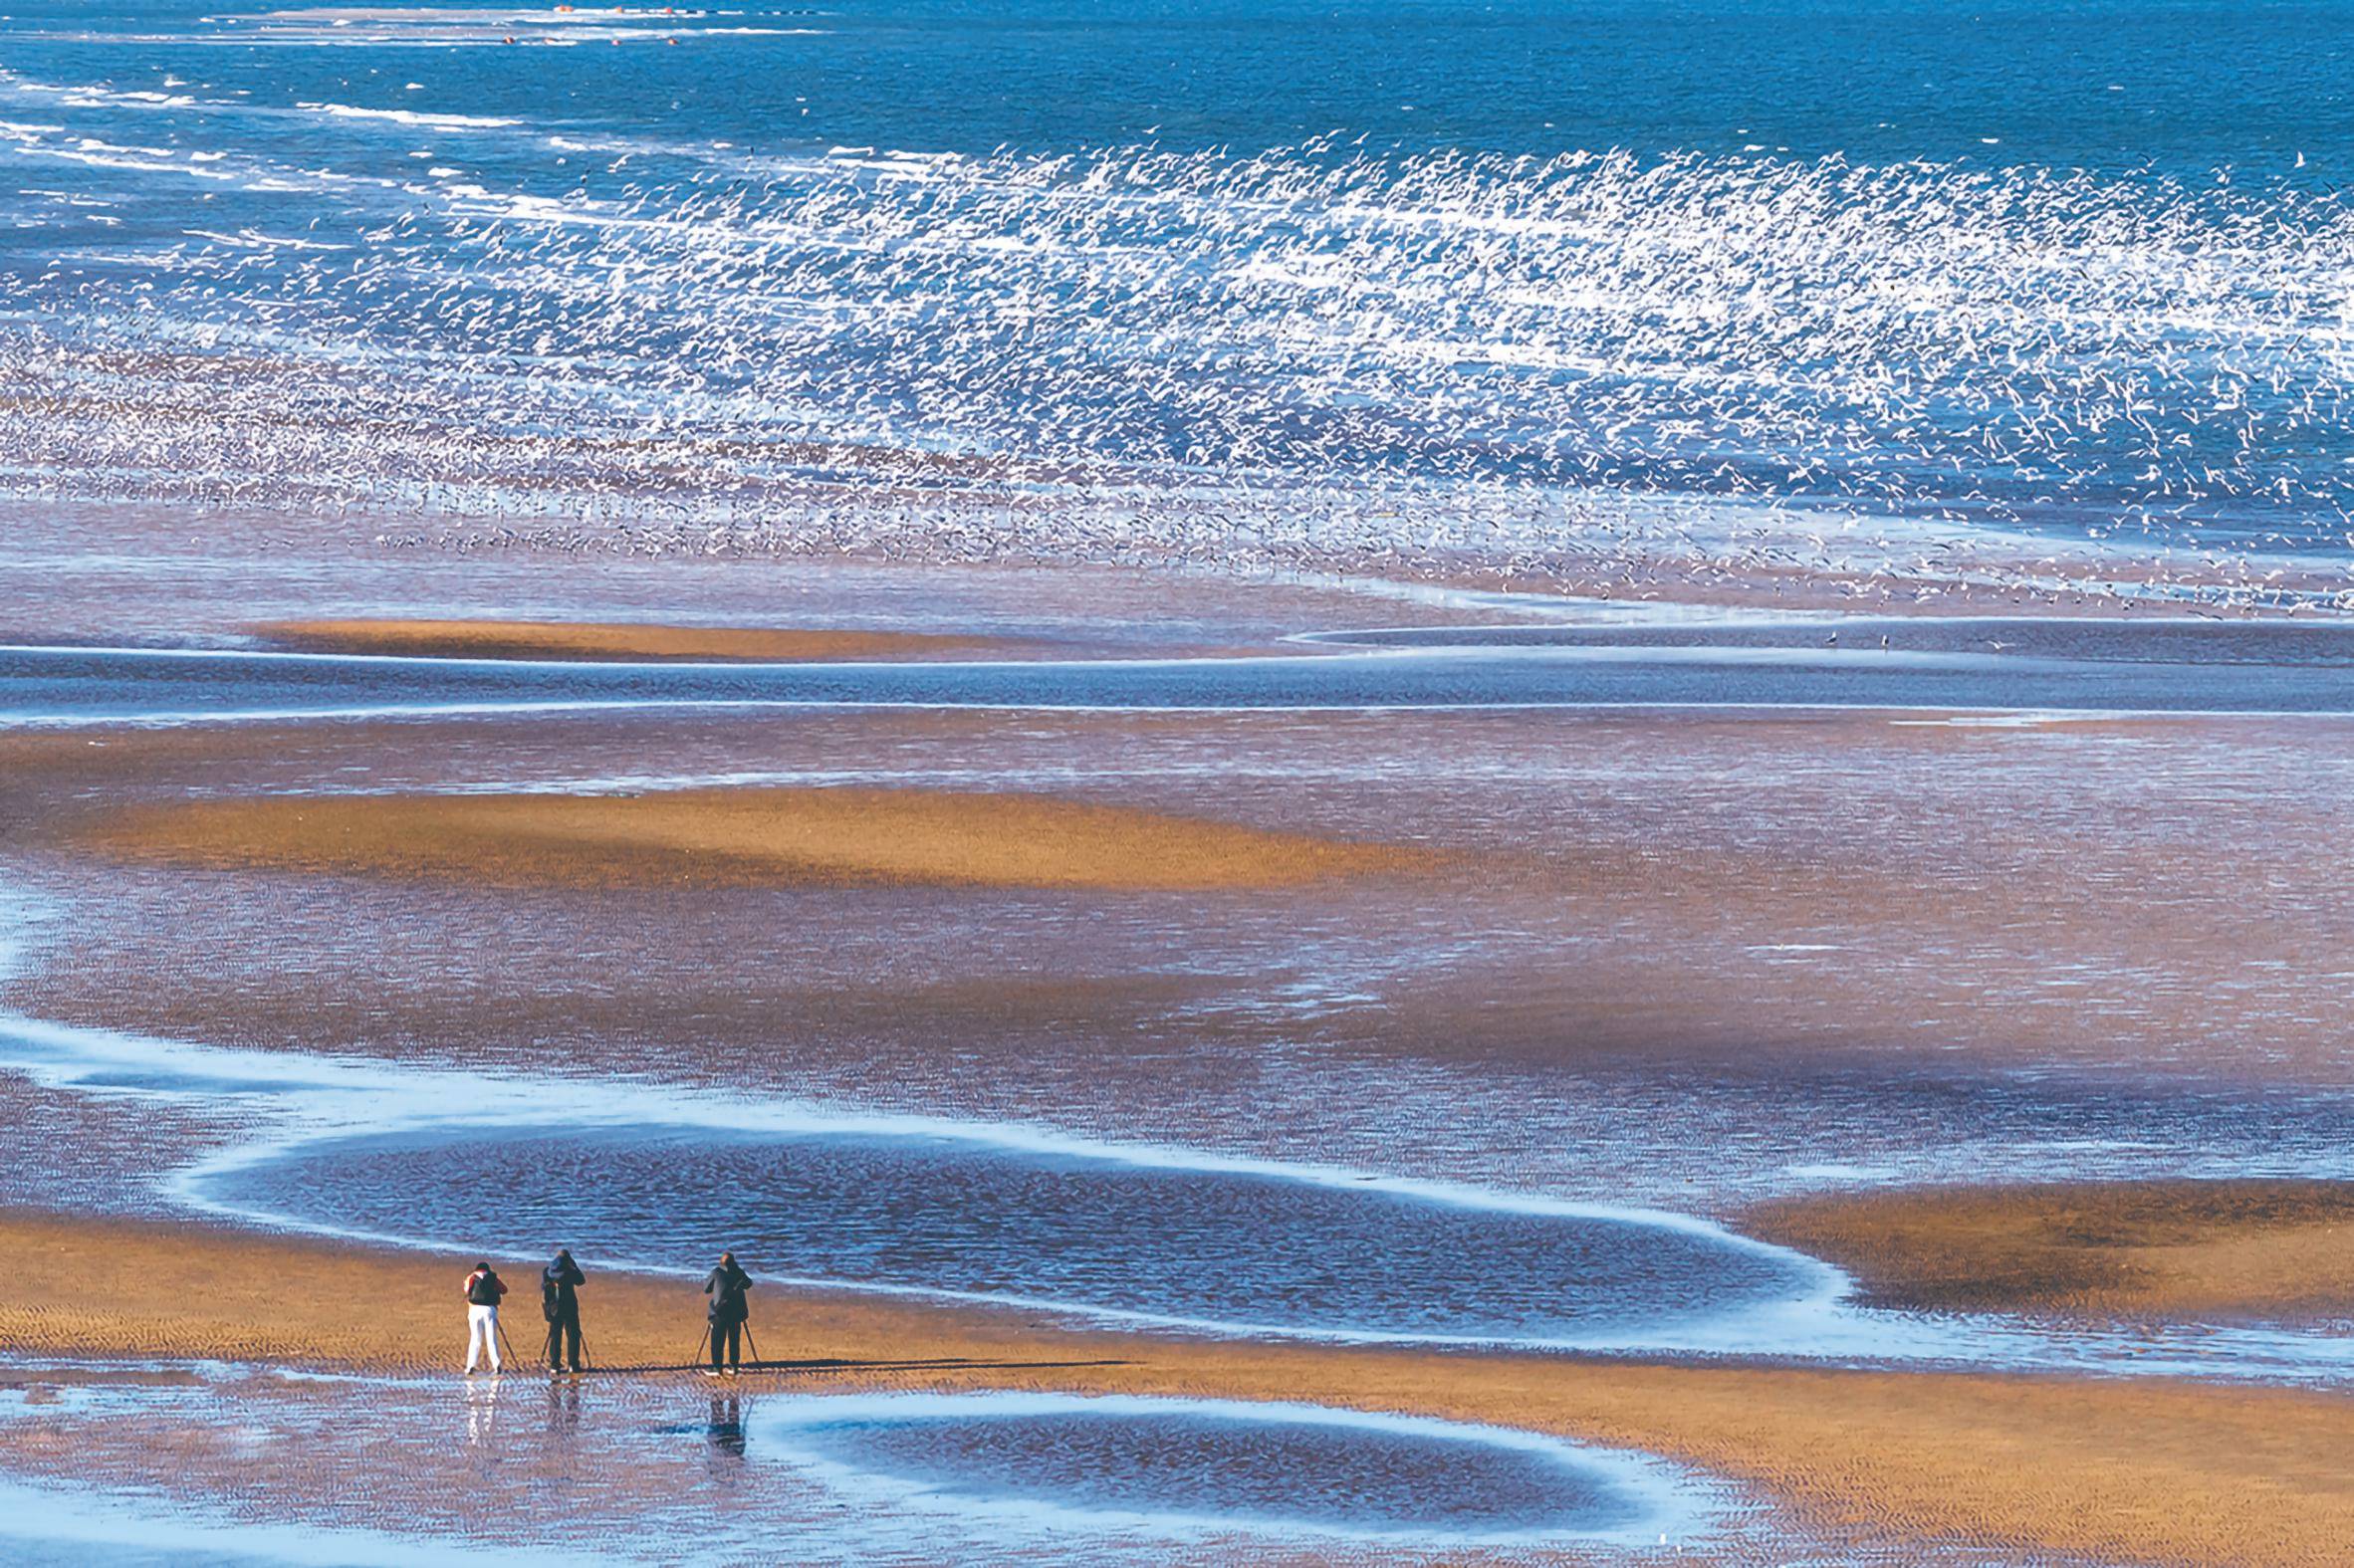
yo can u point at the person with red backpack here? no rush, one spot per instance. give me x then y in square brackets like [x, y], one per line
[484, 1287]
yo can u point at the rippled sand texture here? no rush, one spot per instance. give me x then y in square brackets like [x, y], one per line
[1898, 1467]
[2212, 1251]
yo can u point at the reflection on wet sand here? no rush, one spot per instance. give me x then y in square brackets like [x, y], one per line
[947, 1478]
[1833, 1465]
[726, 1430]
[564, 1409]
[482, 1410]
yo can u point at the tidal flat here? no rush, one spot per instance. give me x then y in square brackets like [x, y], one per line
[1684, 1084]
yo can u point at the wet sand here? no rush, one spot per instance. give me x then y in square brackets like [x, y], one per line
[741, 838]
[530, 639]
[2148, 1471]
[1686, 959]
[1665, 958]
[2210, 1251]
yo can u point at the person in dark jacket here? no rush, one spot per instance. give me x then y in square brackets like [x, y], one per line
[726, 1286]
[562, 1308]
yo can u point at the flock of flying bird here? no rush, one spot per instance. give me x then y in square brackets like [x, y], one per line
[1586, 365]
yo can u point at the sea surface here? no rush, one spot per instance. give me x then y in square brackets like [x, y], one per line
[2005, 670]
[1852, 286]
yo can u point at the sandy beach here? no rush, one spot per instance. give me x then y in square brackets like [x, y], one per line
[2151, 1472]
[749, 837]
[524, 639]
[2212, 1251]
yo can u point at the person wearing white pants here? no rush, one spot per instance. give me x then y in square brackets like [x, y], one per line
[483, 1290]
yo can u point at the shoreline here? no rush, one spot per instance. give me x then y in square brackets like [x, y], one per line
[2155, 1470]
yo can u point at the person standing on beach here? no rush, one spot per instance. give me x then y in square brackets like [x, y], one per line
[726, 1286]
[483, 1290]
[562, 1308]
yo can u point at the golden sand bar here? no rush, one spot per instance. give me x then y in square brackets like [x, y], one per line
[2139, 1470]
[536, 639]
[741, 837]
[2280, 1251]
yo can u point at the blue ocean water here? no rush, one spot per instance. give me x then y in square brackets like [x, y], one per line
[2187, 86]
[1843, 283]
